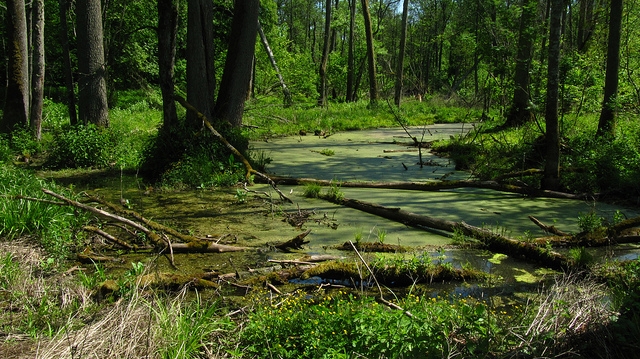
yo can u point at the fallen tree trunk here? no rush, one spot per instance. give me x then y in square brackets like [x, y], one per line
[493, 241]
[431, 186]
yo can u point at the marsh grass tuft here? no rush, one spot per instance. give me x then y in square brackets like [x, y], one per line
[312, 190]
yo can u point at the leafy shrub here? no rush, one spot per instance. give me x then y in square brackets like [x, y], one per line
[179, 157]
[338, 325]
[24, 143]
[82, 146]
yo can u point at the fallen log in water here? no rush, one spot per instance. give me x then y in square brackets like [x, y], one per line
[431, 186]
[494, 242]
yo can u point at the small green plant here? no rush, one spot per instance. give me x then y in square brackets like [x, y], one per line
[334, 193]
[581, 257]
[9, 271]
[358, 236]
[312, 190]
[618, 217]
[589, 222]
[458, 238]
[240, 196]
[326, 152]
[382, 235]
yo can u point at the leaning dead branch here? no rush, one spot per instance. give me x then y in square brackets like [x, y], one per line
[548, 229]
[244, 160]
[295, 243]
[151, 228]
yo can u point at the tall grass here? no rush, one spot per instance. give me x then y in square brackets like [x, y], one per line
[53, 225]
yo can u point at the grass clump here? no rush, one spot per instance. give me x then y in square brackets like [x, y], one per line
[312, 190]
[54, 226]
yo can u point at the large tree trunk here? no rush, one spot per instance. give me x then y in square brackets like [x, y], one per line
[403, 43]
[237, 68]
[551, 178]
[92, 86]
[37, 77]
[285, 90]
[351, 62]
[201, 80]
[607, 123]
[322, 87]
[371, 55]
[167, 29]
[16, 110]
[66, 58]
[520, 113]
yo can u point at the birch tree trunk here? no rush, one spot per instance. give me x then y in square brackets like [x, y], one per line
[285, 90]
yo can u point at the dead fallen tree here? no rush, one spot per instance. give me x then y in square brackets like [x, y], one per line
[432, 186]
[493, 241]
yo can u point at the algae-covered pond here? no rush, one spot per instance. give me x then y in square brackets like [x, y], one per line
[250, 219]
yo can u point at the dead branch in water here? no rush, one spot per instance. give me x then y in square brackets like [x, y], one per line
[150, 229]
[217, 134]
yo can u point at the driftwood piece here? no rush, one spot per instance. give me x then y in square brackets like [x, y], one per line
[108, 236]
[432, 186]
[217, 134]
[294, 243]
[548, 229]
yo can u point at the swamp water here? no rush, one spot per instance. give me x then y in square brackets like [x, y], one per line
[371, 155]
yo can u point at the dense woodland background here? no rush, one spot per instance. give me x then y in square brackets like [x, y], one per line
[464, 49]
[518, 63]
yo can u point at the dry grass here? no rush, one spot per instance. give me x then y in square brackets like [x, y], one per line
[573, 312]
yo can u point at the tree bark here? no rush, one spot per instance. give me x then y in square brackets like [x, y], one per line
[371, 55]
[16, 108]
[551, 177]
[201, 80]
[92, 86]
[37, 77]
[285, 90]
[495, 242]
[167, 30]
[237, 68]
[66, 58]
[607, 122]
[322, 86]
[351, 62]
[400, 66]
[520, 112]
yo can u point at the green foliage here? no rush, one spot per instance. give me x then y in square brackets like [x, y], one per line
[340, 325]
[9, 271]
[382, 235]
[82, 147]
[602, 164]
[179, 156]
[5, 150]
[334, 193]
[185, 329]
[581, 257]
[24, 143]
[312, 190]
[53, 225]
[589, 222]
